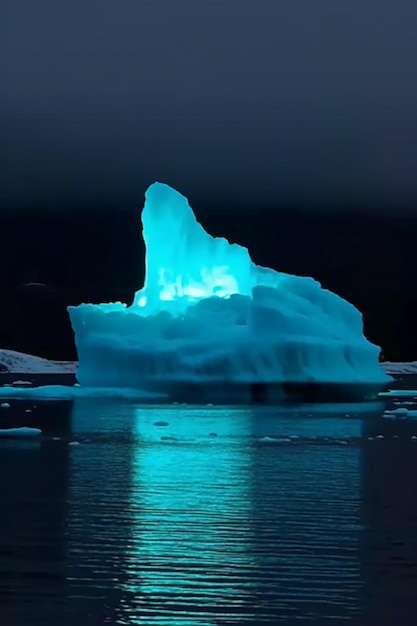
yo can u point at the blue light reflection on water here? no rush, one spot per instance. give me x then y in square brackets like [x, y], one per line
[210, 515]
[246, 531]
[230, 510]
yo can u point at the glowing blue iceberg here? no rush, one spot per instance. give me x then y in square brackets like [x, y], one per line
[208, 316]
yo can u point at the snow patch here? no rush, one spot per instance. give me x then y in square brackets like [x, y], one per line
[13, 362]
[399, 368]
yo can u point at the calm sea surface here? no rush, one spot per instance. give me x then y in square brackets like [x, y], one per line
[122, 513]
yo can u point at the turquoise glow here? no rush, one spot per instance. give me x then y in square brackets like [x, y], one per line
[169, 534]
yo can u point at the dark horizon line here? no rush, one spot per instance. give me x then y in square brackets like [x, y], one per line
[332, 209]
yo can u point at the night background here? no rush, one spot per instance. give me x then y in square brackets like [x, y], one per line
[290, 126]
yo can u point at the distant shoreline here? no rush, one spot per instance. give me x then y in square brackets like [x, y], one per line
[13, 362]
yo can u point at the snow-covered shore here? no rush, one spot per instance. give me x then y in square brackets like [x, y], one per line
[12, 362]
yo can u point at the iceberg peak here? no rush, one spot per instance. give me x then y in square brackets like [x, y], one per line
[183, 263]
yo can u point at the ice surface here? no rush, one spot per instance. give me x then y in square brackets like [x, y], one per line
[208, 315]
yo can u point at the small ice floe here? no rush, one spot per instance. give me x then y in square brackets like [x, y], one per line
[268, 439]
[401, 412]
[74, 443]
[23, 431]
[5, 405]
[398, 392]
[67, 392]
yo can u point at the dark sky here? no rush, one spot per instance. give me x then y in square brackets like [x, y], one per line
[261, 103]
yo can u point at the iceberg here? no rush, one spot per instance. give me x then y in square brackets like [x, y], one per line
[209, 319]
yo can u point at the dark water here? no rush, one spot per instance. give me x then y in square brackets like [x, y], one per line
[201, 516]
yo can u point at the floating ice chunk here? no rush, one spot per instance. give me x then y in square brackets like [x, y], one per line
[399, 392]
[5, 405]
[400, 411]
[23, 431]
[63, 392]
